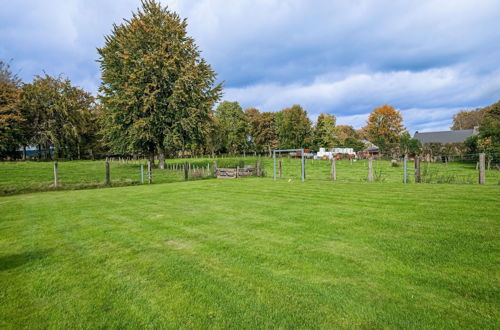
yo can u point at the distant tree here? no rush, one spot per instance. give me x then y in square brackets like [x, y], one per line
[233, 126]
[325, 133]
[384, 127]
[471, 144]
[488, 140]
[468, 119]
[409, 145]
[11, 119]
[59, 115]
[293, 128]
[355, 144]
[253, 117]
[267, 138]
[344, 132]
[489, 132]
[157, 91]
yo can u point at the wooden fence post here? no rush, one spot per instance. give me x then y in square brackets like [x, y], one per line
[417, 169]
[405, 169]
[150, 172]
[186, 171]
[370, 169]
[334, 169]
[108, 177]
[56, 175]
[482, 161]
[280, 169]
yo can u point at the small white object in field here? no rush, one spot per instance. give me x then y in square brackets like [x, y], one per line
[289, 180]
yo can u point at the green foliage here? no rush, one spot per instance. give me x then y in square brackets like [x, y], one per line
[325, 134]
[409, 145]
[293, 127]
[489, 131]
[157, 91]
[233, 126]
[262, 130]
[11, 119]
[432, 149]
[355, 144]
[344, 132]
[60, 115]
[471, 144]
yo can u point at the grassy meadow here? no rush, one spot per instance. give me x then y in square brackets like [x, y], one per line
[252, 253]
[22, 177]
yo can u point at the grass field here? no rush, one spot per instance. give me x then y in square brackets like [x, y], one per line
[22, 177]
[252, 253]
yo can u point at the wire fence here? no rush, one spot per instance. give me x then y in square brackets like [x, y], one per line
[29, 176]
[452, 169]
[20, 177]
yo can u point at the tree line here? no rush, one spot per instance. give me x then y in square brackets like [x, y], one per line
[63, 121]
[159, 98]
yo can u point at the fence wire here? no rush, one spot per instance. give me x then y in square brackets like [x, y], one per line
[17, 177]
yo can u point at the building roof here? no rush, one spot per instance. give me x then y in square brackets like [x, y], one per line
[444, 137]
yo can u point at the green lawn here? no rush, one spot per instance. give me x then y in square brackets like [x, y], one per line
[252, 253]
[22, 177]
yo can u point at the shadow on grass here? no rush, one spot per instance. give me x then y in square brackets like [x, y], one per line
[16, 260]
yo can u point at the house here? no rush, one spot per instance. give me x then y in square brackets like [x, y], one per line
[370, 152]
[445, 137]
[444, 145]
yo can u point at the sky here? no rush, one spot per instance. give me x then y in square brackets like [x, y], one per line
[429, 59]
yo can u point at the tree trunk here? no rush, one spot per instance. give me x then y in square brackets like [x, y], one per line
[161, 158]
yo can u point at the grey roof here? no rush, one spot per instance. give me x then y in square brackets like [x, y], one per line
[444, 136]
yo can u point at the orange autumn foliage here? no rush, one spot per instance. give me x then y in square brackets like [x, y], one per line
[384, 123]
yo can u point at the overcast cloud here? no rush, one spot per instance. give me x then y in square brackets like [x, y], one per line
[427, 58]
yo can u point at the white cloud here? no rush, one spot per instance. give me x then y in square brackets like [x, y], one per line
[428, 58]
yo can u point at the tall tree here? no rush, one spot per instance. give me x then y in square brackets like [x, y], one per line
[468, 119]
[325, 133]
[59, 115]
[262, 130]
[157, 91]
[384, 127]
[253, 117]
[11, 119]
[233, 125]
[293, 128]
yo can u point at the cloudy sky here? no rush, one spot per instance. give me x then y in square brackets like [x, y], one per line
[427, 58]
